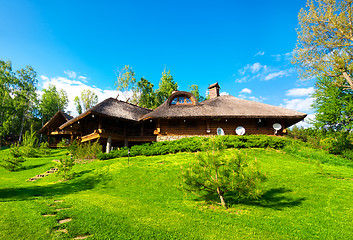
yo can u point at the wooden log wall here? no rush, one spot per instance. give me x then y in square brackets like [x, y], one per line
[200, 126]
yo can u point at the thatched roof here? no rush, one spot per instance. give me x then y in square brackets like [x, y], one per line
[58, 119]
[114, 108]
[223, 106]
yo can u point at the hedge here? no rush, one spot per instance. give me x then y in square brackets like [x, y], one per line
[194, 144]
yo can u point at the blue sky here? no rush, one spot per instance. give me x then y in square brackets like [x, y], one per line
[244, 45]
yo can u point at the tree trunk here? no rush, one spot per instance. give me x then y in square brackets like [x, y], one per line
[349, 79]
[221, 193]
[41, 135]
[22, 123]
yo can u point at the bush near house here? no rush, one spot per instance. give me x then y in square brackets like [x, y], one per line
[335, 142]
[194, 144]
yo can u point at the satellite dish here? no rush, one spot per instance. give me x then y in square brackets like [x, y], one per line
[220, 131]
[240, 130]
[276, 127]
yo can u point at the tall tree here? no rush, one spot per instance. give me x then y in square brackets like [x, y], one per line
[325, 41]
[78, 106]
[52, 101]
[334, 106]
[126, 82]
[17, 94]
[166, 87]
[88, 99]
[25, 95]
[146, 95]
[194, 89]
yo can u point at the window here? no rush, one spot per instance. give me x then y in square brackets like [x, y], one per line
[182, 100]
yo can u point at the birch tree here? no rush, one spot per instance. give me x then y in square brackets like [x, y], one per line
[325, 41]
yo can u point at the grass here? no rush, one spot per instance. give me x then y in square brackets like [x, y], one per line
[305, 197]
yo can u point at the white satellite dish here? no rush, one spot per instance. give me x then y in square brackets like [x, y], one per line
[220, 131]
[240, 130]
[276, 127]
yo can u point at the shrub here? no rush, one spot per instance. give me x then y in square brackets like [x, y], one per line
[15, 160]
[194, 144]
[29, 143]
[216, 173]
[348, 153]
[63, 143]
[64, 166]
[85, 150]
[44, 149]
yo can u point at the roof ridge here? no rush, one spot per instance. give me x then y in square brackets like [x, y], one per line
[128, 103]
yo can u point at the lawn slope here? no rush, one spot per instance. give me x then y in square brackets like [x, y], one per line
[303, 199]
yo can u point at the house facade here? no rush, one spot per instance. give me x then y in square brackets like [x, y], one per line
[117, 123]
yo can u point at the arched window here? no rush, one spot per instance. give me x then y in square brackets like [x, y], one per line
[181, 100]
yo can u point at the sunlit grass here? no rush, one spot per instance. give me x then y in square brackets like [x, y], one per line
[303, 199]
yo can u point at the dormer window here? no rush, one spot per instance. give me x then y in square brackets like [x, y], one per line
[181, 100]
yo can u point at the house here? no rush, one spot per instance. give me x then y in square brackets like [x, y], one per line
[117, 123]
[182, 115]
[51, 128]
[113, 123]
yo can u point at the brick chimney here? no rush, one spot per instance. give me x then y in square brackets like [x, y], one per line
[213, 90]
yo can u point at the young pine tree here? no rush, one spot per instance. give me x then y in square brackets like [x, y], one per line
[214, 172]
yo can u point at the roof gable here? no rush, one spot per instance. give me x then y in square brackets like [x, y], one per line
[114, 108]
[56, 121]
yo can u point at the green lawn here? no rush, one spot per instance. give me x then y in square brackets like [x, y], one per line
[113, 200]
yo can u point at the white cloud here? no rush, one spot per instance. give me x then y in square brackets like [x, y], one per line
[251, 98]
[74, 88]
[303, 105]
[224, 93]
[276, 75]
[283, 56]
[241, 80]
[306, 123]
[254, 68]
[246, 90]
[260, 53]
[44, 78]
[70, 74]
[300, 92]
[82, 78]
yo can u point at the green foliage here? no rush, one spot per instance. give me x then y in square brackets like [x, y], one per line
[126, 81]
[194, 89]
[29, 143]
[78, 105]
[147, 97]
[88, 100]
[335, 142]
[324, 46]
[44, 149]
[17, 98]
[14, 161]
[194, 144]
[88, 150]
[214, 172]
[333, 105]
[52, 101]
[63, 143]
[65, 166]
[166, 87]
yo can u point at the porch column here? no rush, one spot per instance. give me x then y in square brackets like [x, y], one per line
[126, 142]
[109, 144]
